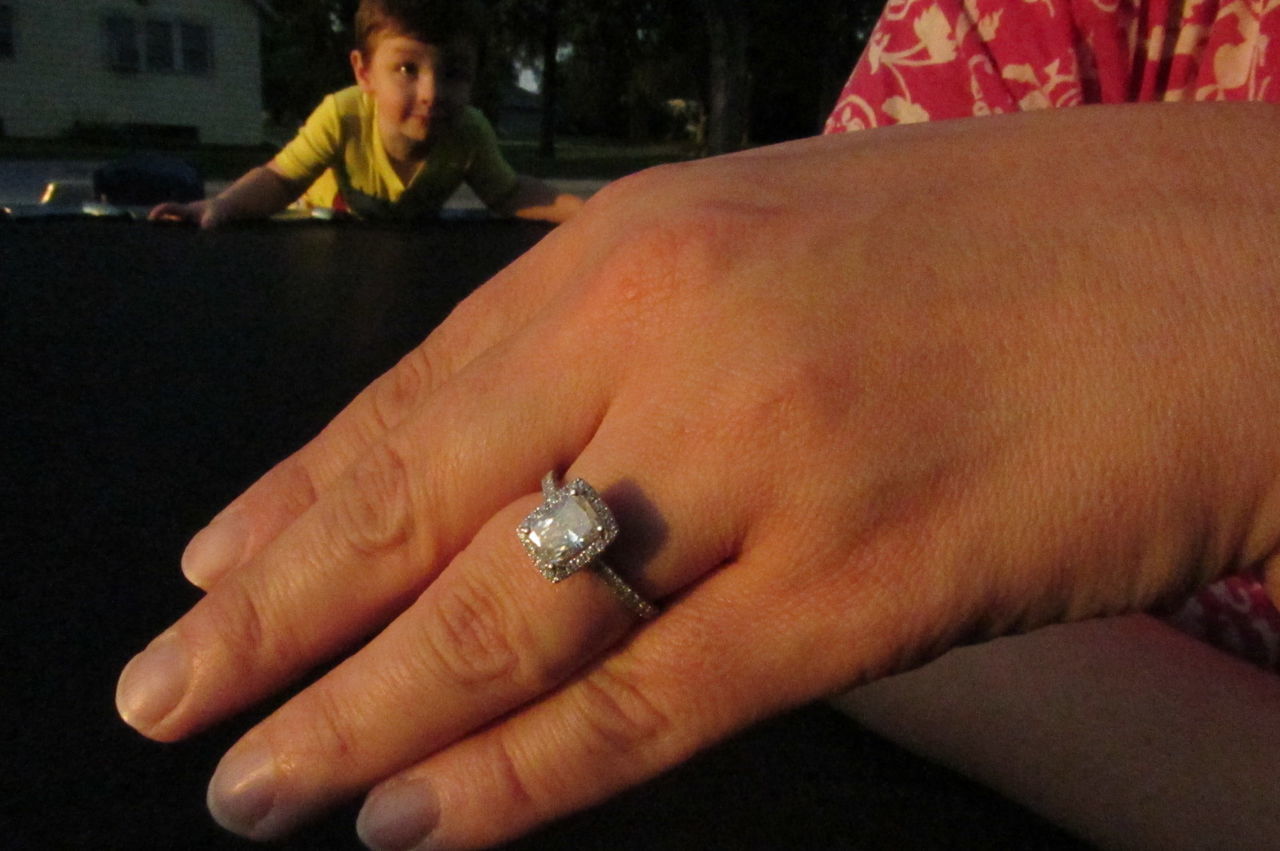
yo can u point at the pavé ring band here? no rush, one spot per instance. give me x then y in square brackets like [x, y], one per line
[569, 531]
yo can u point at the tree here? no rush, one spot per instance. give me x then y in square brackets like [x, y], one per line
[550, 78]
[728, 37]
[528, 32]
[623, 59]
[793, 91]
[305, 55]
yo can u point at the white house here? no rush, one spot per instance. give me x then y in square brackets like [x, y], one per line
[188, 69]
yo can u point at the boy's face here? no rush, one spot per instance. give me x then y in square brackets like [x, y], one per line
[416, 85]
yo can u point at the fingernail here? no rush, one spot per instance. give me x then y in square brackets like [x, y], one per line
[399, 816]
[216, 548]
[153, 683]
[242, 792]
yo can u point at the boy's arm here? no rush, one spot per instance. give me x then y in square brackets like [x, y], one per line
[535, 199]
[260, 193]
[1124, 731]
[503, 190]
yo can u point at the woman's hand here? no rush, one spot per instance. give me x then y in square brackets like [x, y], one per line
[853, 401]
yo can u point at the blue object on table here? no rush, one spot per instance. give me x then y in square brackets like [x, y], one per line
[145, 179]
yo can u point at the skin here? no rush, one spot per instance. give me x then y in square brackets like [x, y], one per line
[417, 86]
[854, 400]
[1123, 730]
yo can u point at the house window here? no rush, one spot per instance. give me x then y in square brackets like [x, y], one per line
[158, 44]
[6, 31]
[197, 49]
[122, 43]
[160, 52]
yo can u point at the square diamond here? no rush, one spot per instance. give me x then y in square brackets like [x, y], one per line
[568, 530]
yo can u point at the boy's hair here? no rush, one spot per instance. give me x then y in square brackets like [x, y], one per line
[429, 21]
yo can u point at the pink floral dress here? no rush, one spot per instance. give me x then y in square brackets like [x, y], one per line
[928, 60]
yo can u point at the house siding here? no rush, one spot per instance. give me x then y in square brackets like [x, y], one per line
[59, 75]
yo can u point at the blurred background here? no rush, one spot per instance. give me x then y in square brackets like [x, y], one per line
[578, 89]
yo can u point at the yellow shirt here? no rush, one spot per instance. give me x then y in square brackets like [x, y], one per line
[339, 150]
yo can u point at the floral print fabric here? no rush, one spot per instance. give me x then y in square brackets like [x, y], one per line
[928, 60]
[933, 59]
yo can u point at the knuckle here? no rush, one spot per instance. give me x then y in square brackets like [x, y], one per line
[616, 715]
[798, 399]
[374, 510]
[655, 251]
[334, 730]
[683, 252]
[241, 620]
[769, 399]
[290, 484]
[640, 281]
[515, 787]
[634, 187]
[477, 640]
[670, 242]
[397, 392]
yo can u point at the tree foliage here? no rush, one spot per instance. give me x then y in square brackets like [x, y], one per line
[799, 62]
[766, 70]
[305, 55]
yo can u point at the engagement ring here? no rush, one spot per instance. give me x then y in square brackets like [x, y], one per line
[569, 531]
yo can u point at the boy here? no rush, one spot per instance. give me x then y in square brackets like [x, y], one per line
[396, 145]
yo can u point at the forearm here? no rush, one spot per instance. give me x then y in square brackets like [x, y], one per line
[537, 200]
[260, 193]
[1121, 730]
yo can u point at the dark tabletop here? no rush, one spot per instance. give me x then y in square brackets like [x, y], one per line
[149, 374]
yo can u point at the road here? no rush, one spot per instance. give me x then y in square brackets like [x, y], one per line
[23, 181]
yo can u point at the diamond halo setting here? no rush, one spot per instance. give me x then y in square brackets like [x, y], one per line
[569, 530]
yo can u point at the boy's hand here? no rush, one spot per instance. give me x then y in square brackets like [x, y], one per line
[260, 193]
[205, 213]
[539, 201]
[852, 400]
